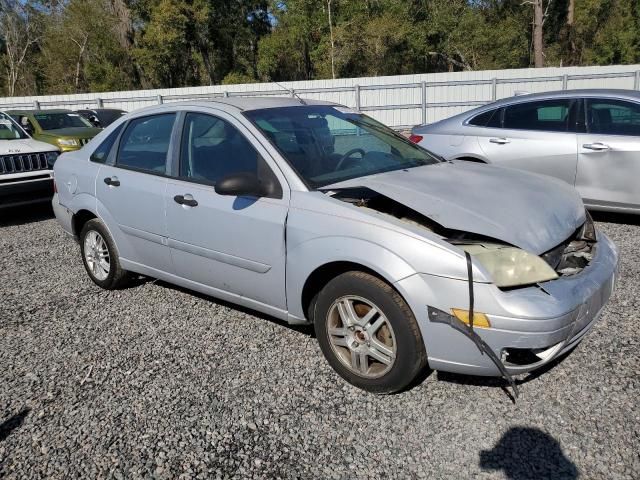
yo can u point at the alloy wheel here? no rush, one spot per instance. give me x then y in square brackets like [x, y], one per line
[96, 254]
[361, 336]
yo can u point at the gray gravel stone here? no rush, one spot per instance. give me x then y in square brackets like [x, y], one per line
[157, 382]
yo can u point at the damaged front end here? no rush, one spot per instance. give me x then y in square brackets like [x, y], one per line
[574, 254]
[509, 266]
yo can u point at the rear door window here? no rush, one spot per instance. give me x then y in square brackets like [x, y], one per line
[544, 115]
[145, 143]
[613, 117]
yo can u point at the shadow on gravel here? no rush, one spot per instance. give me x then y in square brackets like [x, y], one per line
[304, 329]
[26, 214]
[12, 423]
[611, 217]
[528, 453]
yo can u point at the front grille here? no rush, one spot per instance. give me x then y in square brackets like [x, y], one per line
[28, 162]
[84, 141]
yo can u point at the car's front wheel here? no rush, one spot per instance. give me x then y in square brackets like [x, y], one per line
[368, 333]
[100, 256]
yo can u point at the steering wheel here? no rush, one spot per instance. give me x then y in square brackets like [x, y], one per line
[348, 155]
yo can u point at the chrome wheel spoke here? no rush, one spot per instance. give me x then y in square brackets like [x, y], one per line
[338, 337]
[381, 356]
[347, 313]
[359, 361]
[340, 342]
[338, 332]
[370, 315]
[104, 265]
[380, 347]
[375, 326]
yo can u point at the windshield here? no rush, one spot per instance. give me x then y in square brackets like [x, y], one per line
[330, 144]
[55, 121]
[9, 130]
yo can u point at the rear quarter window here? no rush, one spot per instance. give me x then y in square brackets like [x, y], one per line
[101, 153]
[490, 119]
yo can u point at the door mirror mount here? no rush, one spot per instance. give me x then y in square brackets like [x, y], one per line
[241, 184]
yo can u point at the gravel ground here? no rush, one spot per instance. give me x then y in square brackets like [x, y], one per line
[153, 381]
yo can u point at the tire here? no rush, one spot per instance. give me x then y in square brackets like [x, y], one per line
[381, 354]
[94, 239]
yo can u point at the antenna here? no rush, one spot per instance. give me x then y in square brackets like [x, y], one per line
[292, 91]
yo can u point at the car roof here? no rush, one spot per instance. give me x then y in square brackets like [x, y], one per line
[101, 110]
[38, 112]
[239, 103]
[590, 92]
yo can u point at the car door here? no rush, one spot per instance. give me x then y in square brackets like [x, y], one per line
[234, 244]
[131, 193]
[609, 154]
[538, 136]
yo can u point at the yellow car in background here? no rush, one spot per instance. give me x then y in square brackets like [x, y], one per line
[63, 128]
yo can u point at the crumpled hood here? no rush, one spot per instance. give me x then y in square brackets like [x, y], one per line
[530, 211]
[9, 147]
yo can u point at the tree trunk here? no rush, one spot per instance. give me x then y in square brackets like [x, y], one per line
[570, 12]
[571, 8]
[124, 27]
[333, 67]
[538, 19]
[82, 48]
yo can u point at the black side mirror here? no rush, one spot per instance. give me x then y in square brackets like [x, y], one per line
[241, 184]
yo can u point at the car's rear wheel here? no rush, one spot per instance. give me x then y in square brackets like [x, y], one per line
[368, 333]
[100, 256]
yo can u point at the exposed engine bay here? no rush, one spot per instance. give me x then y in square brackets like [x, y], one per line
[568, 258]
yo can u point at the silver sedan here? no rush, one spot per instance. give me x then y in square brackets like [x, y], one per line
[316, 214]
[588, 138]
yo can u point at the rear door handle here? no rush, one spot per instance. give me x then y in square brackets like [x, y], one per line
[187, 200]
[499, 141]
[597, 146]
[112, 181]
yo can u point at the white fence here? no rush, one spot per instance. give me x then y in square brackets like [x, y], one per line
[398, 101]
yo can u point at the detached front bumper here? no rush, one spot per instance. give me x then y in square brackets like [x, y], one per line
[529, 326]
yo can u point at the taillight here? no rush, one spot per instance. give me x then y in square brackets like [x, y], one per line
[55, 187]
[415, 138]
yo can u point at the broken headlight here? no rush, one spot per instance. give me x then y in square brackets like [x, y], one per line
[510, 266]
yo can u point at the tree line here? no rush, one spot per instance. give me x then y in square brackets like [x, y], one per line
[69, 46]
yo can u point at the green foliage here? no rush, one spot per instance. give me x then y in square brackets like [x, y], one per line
[79, 52]
[98, 45]
[234, 78]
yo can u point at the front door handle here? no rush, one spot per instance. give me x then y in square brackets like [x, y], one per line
[597, 146]
[187, 200]
[112, 181]
[499, 141]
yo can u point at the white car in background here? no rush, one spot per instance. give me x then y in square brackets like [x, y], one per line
[26, 166]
